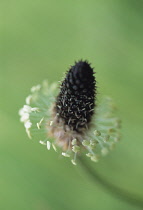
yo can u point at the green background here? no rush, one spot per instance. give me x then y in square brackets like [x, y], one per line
[40, 39]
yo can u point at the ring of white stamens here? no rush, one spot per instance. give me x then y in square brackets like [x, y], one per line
[37, 118]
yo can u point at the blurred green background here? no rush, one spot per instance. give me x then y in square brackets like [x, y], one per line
[40, 39]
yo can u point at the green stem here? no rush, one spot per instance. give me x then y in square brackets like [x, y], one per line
[115, 190]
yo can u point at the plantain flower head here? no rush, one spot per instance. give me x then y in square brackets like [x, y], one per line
[69, 119]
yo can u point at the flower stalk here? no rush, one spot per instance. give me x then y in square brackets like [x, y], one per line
[118, 192]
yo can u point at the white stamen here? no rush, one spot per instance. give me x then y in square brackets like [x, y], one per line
[28, 99]
[21, 112]
[28, 124]
[28, 133]
[97, 133]
[42, 142]
[24, 117]
[65, 154]
[39, 123]
[35, 88]
[54, 147]
[89, 155]
[85, 143]
[74, 142]
[95, 158]
[75, 148]
[38, 126]
[48, 145]
[104, 151]
[51, 123]
[26, 108]
[73, 162]
[106, 138]
[35, 109]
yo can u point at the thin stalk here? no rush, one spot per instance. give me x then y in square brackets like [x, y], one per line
[120, 193]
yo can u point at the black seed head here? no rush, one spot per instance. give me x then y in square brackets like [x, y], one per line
[76, 100]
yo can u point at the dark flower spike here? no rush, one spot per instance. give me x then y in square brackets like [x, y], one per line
[70, 120]
[75, 104]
